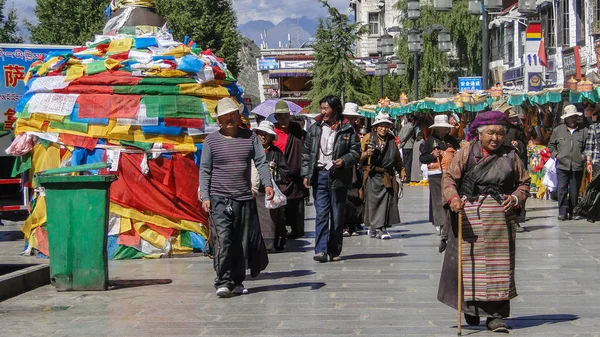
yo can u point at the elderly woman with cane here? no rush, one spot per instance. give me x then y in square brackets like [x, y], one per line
[487, 185]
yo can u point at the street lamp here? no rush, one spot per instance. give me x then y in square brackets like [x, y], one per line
[474, 7]
[414, 10]
[442, 5]
[492, 5]
[414, 41]
[527, 6]
[444, 41]
[387, 45]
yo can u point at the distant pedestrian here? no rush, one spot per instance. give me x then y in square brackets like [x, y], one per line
[383, 170]
[567, 147]
[487, 183]
[589, 206]
[407, 138]
[331, 150]
[437, 151]
[226, 194]
[290, 140]
[272, 221]
[354, 205]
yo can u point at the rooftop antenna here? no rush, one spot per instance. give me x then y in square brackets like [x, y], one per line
[280, 44]
[289, 43]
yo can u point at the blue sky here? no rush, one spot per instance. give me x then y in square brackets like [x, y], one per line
[247, 10]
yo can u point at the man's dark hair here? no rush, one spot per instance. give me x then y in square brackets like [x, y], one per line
[335, 104]
[411, 118]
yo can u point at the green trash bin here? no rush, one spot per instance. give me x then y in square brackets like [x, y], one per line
[77, 211]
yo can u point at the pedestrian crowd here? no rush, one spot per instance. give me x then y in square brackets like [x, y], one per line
[255, 185]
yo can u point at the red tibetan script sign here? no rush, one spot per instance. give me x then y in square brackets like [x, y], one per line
[13, 73]
[10, 119]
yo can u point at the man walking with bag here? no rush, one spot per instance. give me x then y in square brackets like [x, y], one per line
[226, 194]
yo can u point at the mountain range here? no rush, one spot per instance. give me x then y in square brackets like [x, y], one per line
[299, 29]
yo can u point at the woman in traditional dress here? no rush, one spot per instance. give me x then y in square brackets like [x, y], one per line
[380, 158]
[272, 221]
[489, 184]
[438, 149]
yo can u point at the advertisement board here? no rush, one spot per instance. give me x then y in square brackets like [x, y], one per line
[15, 60]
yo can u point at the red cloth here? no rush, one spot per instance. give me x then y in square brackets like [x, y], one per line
[116, 77]
[185, 122]
[42, 238]
[108, 106]
[170, 189]
[120, 56]
[79, 141]
[129, 238]
[166, 232]
[542, 54]
[85, 89]
[282, 138]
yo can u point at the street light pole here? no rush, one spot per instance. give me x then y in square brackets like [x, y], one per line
[485, 59]
[381, 86]
[416, 75]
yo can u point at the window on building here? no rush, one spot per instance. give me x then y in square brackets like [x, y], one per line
[509, 50]
[563, 23]
[374, 24]
[496, 42]
[547, 15]
[595, 27]
[580, 22]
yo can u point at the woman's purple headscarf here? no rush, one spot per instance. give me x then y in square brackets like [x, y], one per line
[486, 118]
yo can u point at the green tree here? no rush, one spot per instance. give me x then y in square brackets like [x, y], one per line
[9, 33]
[210, 23]
[436, 69]
[334, 70]
[67, 22]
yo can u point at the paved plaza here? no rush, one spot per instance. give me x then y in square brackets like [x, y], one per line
[378, 288]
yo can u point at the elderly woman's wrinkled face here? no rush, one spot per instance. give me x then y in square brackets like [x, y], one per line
[383, 129]
[265, 138]
[492, 137]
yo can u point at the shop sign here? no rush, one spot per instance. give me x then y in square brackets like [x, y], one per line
[571, 63]
[269, 63]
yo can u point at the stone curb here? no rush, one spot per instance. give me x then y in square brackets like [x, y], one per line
[23, 280]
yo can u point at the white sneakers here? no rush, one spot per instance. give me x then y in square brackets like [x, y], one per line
[224, 292]
[380, 234]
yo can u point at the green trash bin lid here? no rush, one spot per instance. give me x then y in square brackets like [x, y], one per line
[53, 176]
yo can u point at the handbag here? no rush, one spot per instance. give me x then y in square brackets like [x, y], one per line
[279, 199]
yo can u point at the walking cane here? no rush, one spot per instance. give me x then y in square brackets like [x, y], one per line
[459, 272]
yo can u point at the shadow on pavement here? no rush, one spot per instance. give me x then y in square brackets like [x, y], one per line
[277, 287]
[406, 236]
[537, 320]
[415, 222]
[541, 208]
[296, 245]
[535, 228]
[124, 284]
[283, 274]
[371, 256]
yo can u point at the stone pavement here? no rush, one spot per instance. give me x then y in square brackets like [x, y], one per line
[379, 288]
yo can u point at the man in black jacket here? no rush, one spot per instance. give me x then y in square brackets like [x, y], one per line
[567, 147]
[331, 149]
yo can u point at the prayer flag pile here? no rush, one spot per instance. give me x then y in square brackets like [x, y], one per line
[142, 104]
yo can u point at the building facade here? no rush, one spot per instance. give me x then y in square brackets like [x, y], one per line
[565, 28]
[284, 73]
[379, 15]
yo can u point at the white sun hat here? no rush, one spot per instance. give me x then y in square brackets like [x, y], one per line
[227, 105]
[382, 118]
[570, 110]
[351, 109]
[441, 121]
[267, 127]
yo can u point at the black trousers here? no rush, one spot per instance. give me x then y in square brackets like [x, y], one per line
[407, 161]
[569, 183]
[294, 215]
[238, 243]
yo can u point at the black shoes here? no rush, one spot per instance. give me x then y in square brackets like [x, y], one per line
[472, 320]
[496, 325]
[562, 217]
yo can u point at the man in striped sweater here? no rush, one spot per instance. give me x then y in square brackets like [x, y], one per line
[226, 194]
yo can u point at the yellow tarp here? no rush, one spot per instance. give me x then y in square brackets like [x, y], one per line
[158, 220]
